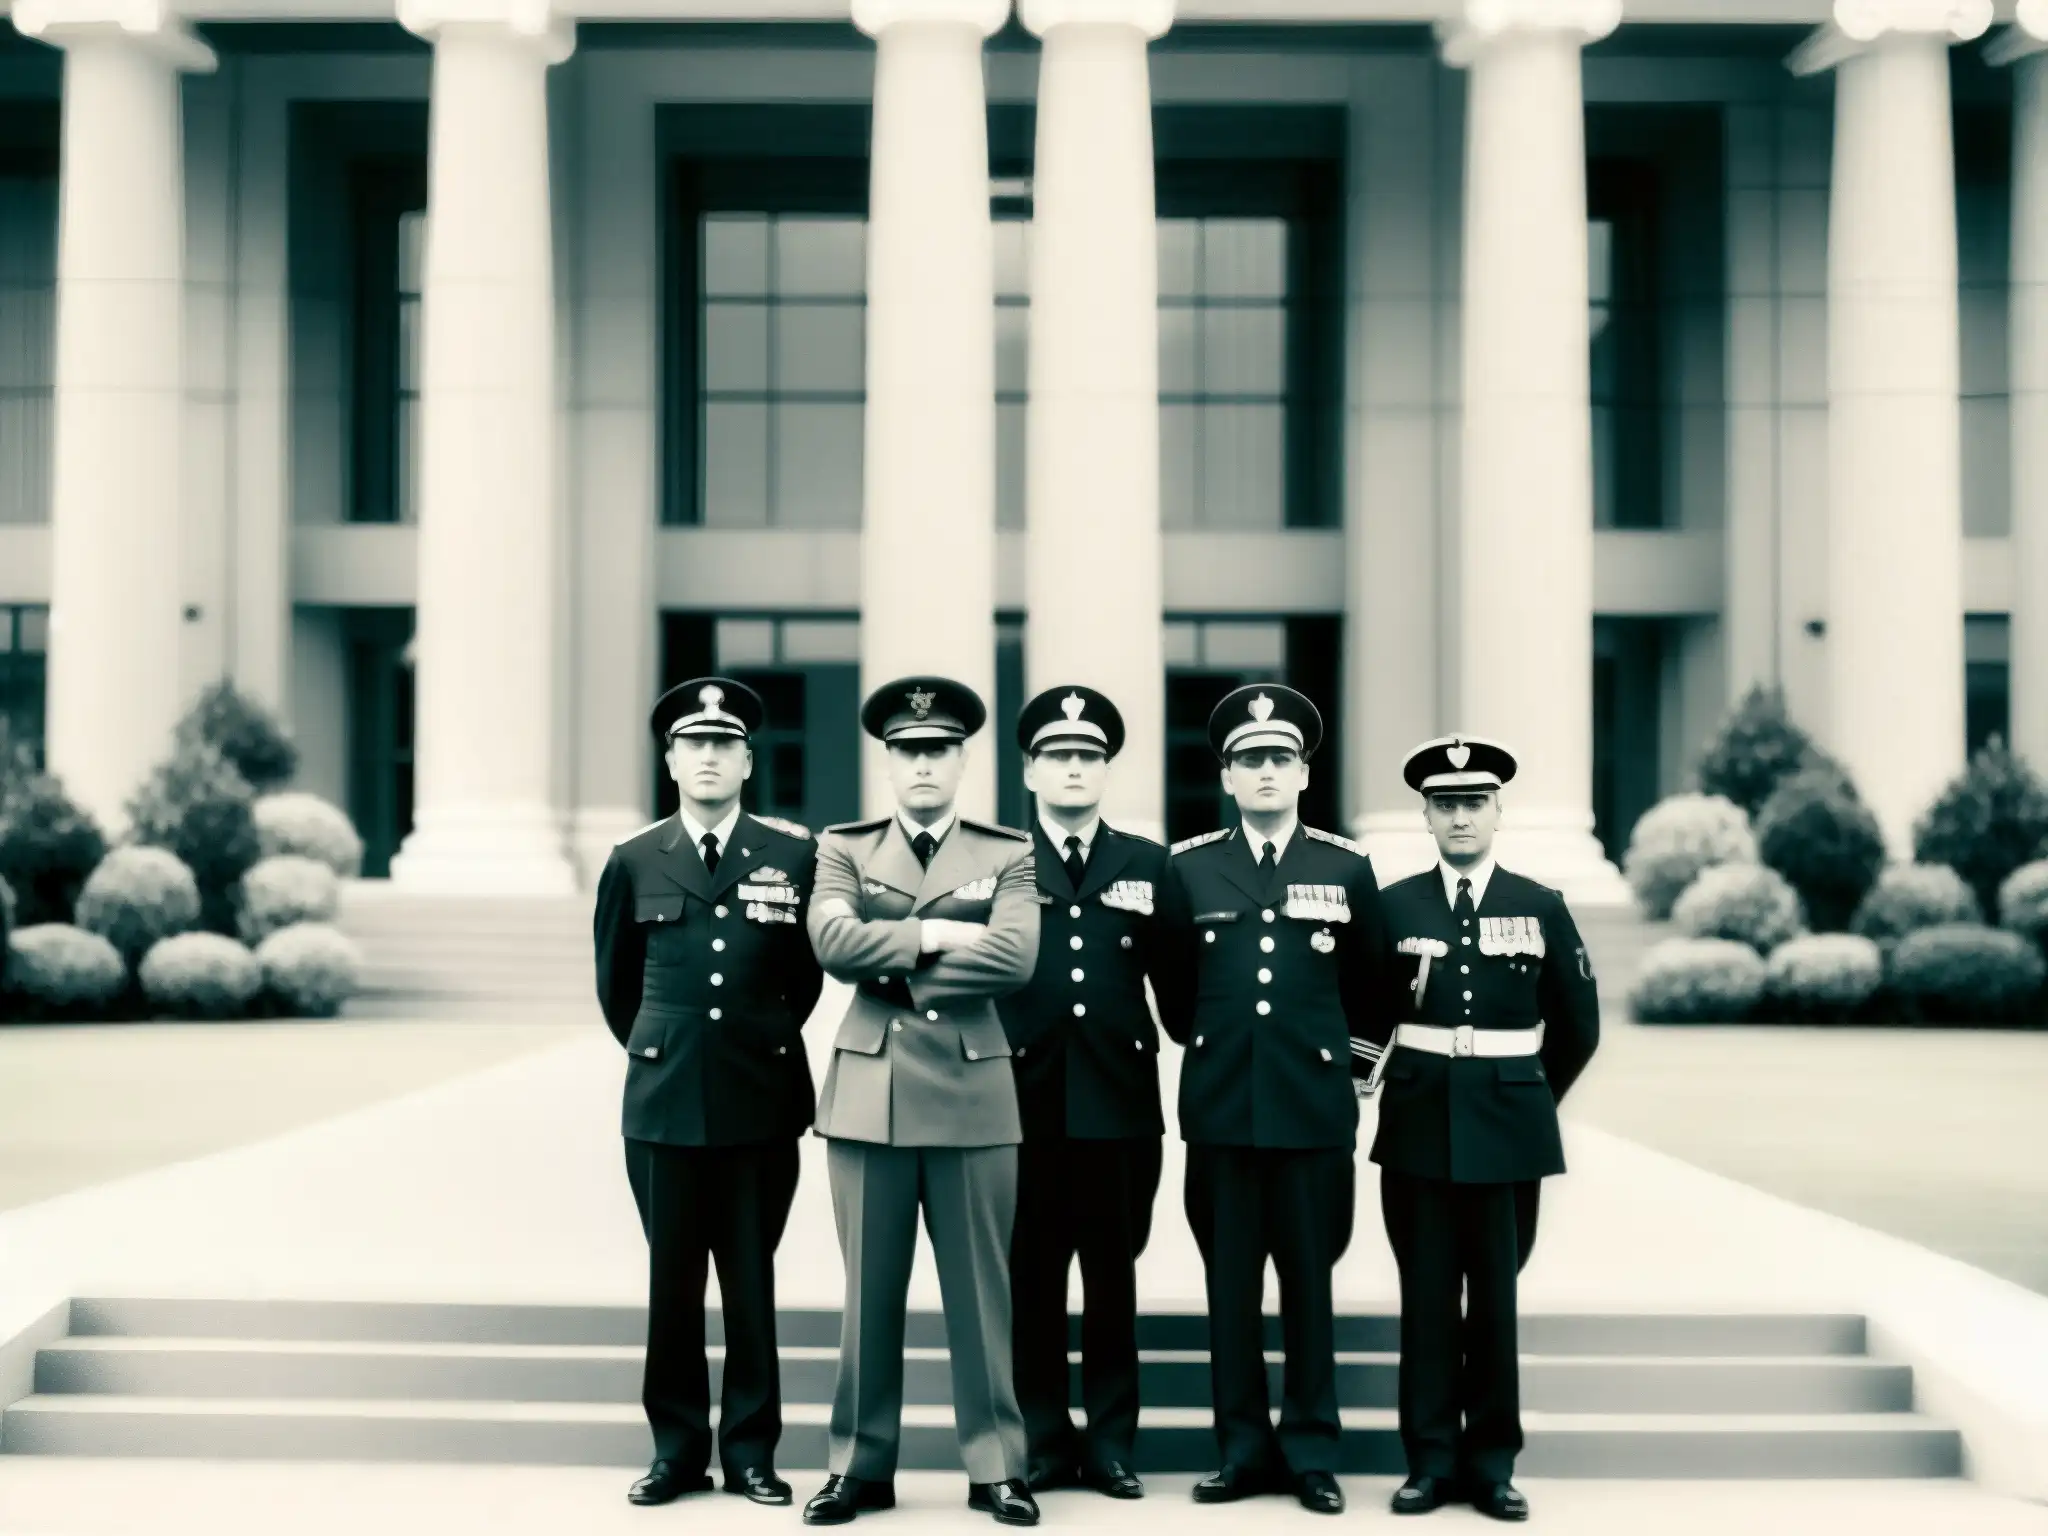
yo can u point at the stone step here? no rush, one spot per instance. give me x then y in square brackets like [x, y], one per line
[1170, 1440]
[268, 1369]
[1740, 1335]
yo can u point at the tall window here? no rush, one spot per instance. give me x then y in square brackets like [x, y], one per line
[1987, 680]
[28, 330]
[389, 196]
[1627, 396]
[784, 306]
[24, 659]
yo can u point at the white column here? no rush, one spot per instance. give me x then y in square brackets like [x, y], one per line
[115, 689]
[487, 624]
[928, 520]
[2025, 46]
[1525, 663]
[1396, 244]
[1092, 540]
[1895, 526]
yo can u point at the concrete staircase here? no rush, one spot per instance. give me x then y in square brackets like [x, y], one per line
[443, 956]
[1675, 1396]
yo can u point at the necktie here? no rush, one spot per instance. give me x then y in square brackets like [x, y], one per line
[710, 844]
[924, 845]
[1265, 858]
[1076, 865]
[1462, 908]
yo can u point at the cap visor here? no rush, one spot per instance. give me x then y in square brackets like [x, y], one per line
[1446, 783]
[925, 733]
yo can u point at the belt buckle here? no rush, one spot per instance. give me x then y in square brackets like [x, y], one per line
[1461, 1040]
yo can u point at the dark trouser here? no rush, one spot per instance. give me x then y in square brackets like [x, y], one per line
[1460, 1248]
[728, 1205]
[1245, 1205]
[1094, 1199]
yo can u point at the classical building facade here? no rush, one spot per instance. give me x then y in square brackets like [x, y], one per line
[1552, 370]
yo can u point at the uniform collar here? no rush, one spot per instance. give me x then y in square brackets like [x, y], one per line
[1279, 839]
[937, 829]
[722, 832]
[1057, 835]
[1479, 874]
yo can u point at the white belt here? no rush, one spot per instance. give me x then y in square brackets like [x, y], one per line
[1464, 1040]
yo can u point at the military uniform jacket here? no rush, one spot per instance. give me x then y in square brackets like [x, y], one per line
[1270, 983]
[921, 1059]
[1082, 1039]
[1471, 1119]
[707, 981]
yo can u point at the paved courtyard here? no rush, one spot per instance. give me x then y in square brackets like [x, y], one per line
[1937, 1137]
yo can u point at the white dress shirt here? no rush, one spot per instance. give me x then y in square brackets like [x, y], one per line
[938, 829]
[1279, 840]
[720, 834]
[1478, 874]
[1058, 835]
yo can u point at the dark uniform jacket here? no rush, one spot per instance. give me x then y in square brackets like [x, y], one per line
[921, 1060]
[707, 981]
[1268, 984]
[1485, 1120]
[1082, 1040]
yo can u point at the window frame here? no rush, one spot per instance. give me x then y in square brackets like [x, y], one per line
[382, 190]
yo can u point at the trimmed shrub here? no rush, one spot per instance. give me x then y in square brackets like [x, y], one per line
[56, 971]
[198, 806]
[1822, 978]
[1757, 749]
[1909, 897]
[1745, 902]
[309, 969]
[1820, 837]
[136, 897]
[200, 976]
[242, 731]
[1987, 823]
[1965, 973]
[1677, 838]
[2023, 901]
[1697, 981]
[286, 890]
[305, 826]
[48, 845]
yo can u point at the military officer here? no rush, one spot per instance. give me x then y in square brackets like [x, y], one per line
[706, 976]
[1086, 1055]
[1282, 965]
[931, 917]
[1498, 1016]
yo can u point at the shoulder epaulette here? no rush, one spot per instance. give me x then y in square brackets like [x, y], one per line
[1198, 842]
[1334, 840]
[1132, 837]
[793, 829]
[642, 832]
[998, 830]
[875, 825]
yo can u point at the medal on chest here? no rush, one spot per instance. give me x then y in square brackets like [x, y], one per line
[1319, 903]
[1511, 936]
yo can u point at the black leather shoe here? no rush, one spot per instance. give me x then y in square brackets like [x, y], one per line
[844, 1497]
[1009, 1501]
[1113, 1478]
[1044, 1472]
[1231, 1484]
[759, 1484]
[666, 1482]
[1319, 1493]
[1499, 1501]
[1419, 1495]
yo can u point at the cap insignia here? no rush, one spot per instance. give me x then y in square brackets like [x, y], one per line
[1262, 708]
[1458, 754]
[1072, 705]
[921, 702]
[711, 696]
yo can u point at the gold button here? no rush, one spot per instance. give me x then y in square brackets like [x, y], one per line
[1198, 1039]
[1079, 974]
[1266, 944]
[1326, 1055]
[1267, 914]
[1073, 911]
[717, 945]
[782, 1050]
[897, 1025]
[1125, 941]
[1080, 1010]
[718, 911]
[1264, 1006]
[1264, 975]
[1074, 942]
[974, 1056]
[1208, 935]
[717, 980]
[882, 981]
[651, 1051]
[717, 1013]
[1468, 998]
[933, 1013]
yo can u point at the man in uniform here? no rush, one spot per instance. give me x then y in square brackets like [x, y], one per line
[1086, 1055]
[1281, 966]
[931, 917]
[1499, 1017]
[706, 977]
